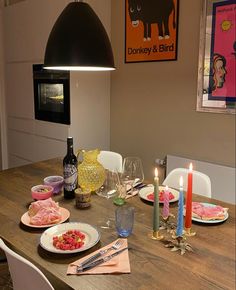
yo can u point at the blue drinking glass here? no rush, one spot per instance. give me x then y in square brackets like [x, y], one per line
[124, 217]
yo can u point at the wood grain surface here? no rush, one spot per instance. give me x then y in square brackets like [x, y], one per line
[210, 266]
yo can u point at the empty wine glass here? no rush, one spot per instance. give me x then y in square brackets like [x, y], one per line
[109, 190]
[132, 172]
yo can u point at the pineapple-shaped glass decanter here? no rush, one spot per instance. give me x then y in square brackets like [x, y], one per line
[91, 173]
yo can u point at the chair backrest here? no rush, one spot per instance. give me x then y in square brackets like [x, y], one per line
[201, 181]
[111, 160]
[24, 274]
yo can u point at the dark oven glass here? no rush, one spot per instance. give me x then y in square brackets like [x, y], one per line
[51, 95]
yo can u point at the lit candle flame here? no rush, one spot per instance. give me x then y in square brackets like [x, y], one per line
[191, 166]
[156, 172]
[181, 181]
[166, 187]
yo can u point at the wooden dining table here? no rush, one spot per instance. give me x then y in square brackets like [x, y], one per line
[211, 265]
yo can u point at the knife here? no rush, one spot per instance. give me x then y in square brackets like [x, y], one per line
[100, 261]
[137, 186]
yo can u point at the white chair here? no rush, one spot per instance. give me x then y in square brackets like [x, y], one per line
[111, 160]
[201, 181]
[24, 274]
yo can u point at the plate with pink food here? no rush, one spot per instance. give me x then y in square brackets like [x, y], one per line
[44, 213]
[69, 238]
[208, 213]
[147, 193]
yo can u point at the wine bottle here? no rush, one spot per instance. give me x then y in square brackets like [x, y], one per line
[70, 171]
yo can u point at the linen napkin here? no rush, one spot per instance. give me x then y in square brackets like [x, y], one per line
[119, 264]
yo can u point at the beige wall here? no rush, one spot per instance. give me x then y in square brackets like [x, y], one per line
[153, 105]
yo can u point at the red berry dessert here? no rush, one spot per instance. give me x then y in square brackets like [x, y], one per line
[71, 240]
[150, 196]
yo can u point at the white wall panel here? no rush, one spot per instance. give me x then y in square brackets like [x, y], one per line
[51, 130]
[26, 29]
[46, 148]
[19, 90]
[28, 25]
[33, 148]
[21, 144]
[21, 124]
[15, 161]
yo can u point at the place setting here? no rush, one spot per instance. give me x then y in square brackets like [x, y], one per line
[208, 213]
[110, 259]
[178, 231]
[44, 213]
[69, 238]
[114, 257]
[147, 194]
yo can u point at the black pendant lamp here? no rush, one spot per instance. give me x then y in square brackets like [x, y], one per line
[78, 41]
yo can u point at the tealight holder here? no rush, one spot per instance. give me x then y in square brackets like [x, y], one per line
[155, 235]
[168, 225]
[179, 244]
[189, 233]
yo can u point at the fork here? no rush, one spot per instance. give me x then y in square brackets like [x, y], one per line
[115, 246]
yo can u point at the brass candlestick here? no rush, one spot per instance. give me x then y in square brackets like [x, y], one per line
[179, 243]
[189, 233]
[155, 235]
[168, 225]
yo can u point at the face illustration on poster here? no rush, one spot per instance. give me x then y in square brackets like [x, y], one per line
[219, 71]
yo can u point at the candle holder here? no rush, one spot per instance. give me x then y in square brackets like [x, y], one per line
[168, 225]
[179, 243]
[155, 235]
[189, 233]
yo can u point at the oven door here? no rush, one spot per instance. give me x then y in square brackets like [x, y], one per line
[52, 100]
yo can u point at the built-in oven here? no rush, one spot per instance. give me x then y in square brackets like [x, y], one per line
[51, 95]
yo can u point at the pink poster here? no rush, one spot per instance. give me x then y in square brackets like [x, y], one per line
[223, 51]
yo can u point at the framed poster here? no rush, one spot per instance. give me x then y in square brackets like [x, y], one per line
[151, 30]
[217, 57]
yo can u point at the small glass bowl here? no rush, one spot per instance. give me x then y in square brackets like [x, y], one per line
[55, 181]
[41, 191]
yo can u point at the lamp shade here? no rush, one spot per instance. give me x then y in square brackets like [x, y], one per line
[78, 41]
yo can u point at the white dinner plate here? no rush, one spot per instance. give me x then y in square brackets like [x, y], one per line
[144, 192]
[209, 221]
[92, 236]
[65, 214]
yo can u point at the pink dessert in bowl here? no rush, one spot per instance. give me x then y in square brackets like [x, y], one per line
[55, 181]
[41, 191]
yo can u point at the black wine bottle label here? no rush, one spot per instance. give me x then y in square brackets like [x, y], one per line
[70, 177]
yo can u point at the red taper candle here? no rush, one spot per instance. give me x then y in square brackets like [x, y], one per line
[188, 215]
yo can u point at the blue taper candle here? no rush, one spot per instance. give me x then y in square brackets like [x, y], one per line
[156, 203]
[180, 221]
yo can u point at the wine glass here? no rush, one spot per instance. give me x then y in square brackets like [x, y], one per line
[132, 172]
[108, 190]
